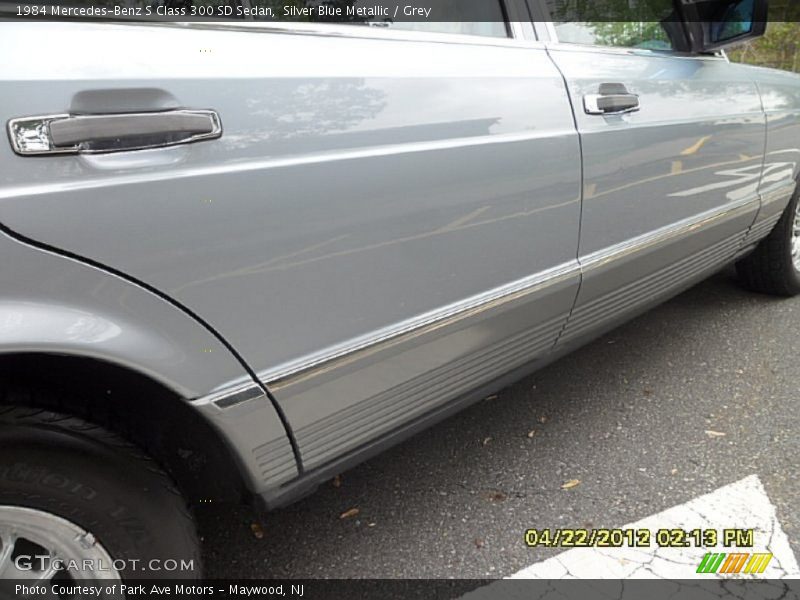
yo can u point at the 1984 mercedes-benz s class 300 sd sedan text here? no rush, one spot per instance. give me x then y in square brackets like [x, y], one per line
[239, 257]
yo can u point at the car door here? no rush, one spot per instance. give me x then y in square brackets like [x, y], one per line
[780, 96]
[388, 219]
[671, 173]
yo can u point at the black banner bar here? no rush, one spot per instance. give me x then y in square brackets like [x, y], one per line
[378, 12]
[391, 589]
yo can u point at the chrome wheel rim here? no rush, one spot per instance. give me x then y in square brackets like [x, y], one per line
[43, 548]
[796, 238]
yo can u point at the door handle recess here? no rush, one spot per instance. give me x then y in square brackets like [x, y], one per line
[90, 134]
[612, 99]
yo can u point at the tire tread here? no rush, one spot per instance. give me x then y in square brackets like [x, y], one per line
[769, 269]
[35, 417]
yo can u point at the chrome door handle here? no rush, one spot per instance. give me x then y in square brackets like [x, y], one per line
[612, 99]
[617, 104]
[77, 134]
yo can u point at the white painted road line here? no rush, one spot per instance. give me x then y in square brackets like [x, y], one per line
[743, 504]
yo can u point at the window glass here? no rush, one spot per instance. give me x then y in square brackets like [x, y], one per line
[484, 28]
[646, 24]
[737, 20]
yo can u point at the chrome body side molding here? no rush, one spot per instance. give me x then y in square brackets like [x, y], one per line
[233, 395]
[384, 379]
[444, 317]
[450, 315]
[343, 397]
[666, 234]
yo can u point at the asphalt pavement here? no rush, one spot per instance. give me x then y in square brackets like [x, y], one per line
[696, 394]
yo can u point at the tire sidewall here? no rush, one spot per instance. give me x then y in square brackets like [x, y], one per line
[130, 508]
[789, 228]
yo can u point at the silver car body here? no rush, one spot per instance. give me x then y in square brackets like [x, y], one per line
[391, 224]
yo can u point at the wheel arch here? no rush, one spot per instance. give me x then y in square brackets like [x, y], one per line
[134, 405]
[68, 323]
[179, 355]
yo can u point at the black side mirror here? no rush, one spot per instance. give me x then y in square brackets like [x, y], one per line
[715, 24]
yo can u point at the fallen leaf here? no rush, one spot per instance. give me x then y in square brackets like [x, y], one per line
[531, 433]
[349, 513]
[570, 484]
[337, 481]
[258, 531]
[487, 440]
[497, 496]
[479, 543]
[713, 434]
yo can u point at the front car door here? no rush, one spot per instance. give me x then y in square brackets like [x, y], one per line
[388, 220]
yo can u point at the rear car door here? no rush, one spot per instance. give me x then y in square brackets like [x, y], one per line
[388, 219]
[671, 174]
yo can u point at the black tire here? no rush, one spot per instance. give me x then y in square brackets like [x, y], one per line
[769, 268]
[95, 479]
